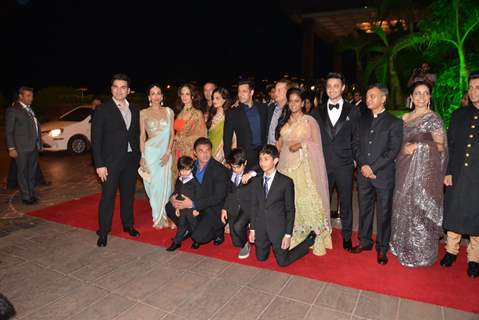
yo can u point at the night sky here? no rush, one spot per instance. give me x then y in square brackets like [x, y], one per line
[83, 42]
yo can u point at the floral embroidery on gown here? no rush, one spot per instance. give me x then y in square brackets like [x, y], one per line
[308, 170]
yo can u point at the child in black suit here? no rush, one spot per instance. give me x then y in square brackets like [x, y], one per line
[273, 212]
[237, 208]
[186, 185]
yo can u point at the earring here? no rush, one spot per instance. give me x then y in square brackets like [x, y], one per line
[429, 105]
[149, 102]
[410, 103]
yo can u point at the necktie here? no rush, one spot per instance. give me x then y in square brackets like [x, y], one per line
[265, 185]
[333, 106]
[30, 111]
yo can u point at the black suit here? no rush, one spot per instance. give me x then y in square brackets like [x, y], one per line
[379, 142]
[110, 138]
[209, 203]
[238, 207]
[237, 122]
[24, 136]
[273, 217]
[339, 153]
[186, 221]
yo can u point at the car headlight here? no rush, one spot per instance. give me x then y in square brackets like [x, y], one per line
[55, 132]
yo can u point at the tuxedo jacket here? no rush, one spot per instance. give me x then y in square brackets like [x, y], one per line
[338, 140]
[20, 129]
[110, 136]
[212, 192]
[274, 214]
[238, 198]
[379, 142]
[237, 122]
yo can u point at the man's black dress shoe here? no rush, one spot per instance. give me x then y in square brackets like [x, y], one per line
[311, 237]
[102, 240]
[448, 260]
[173, 246]
[382, 258]
[473, 269]
[28, 202]
[347, 245]
[195, 245]
[131, 231]
[219, 240]
[359, 249]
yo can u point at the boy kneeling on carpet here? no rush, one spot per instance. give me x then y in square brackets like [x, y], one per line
[273, 212]
[186, 185]
[237, 207]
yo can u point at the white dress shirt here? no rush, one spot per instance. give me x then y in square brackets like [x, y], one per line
[335, 113]
[126, 113]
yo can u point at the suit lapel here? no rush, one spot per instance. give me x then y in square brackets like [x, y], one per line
[117, 114]
[323, 113]
[342, 118]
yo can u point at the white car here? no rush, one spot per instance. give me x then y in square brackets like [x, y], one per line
[70, 132]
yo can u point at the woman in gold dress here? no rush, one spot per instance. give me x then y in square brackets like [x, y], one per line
[302, 159]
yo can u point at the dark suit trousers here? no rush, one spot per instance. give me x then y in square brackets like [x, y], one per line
[123, 178]
[283, 257]
[209, 227]
[238, 228]
[12, 179]
[185, 222]
[27, 163]
[342, 177]
[367, 194]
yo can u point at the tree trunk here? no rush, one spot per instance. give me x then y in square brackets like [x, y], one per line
[397, 98]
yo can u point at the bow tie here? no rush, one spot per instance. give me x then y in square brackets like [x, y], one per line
[332, 106]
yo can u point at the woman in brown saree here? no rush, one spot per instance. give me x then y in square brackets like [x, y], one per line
[418, 195]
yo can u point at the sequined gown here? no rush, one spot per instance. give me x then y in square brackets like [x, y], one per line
[418, 195]
[159, 188]
[308, 170]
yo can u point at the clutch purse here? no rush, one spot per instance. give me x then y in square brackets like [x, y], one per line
[144, 174]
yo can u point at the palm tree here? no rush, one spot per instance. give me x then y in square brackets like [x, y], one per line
[383, 64]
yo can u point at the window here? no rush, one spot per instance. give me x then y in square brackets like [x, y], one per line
[77, 115]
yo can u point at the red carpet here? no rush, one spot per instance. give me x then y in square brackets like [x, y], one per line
[447, 287]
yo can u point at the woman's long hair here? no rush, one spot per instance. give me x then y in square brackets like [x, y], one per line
[286, 114]
[195, 98]
[212, 111]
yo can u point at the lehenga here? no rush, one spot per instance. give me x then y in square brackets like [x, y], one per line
[308, 170]
[418, 195]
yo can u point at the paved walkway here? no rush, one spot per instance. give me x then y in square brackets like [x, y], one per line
[51, 271]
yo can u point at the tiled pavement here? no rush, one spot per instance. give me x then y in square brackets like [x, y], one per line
[51, 271]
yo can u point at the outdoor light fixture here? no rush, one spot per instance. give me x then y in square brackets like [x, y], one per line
[55, 132]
